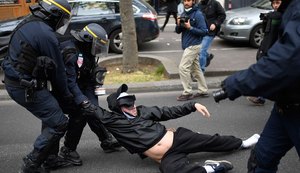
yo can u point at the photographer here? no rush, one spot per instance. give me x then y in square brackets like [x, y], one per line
[276, 76]
[193, 27]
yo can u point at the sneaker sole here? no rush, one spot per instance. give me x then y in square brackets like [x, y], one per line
[216, 161]
[113, 150]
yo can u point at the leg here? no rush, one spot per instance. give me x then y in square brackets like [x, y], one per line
[108, 142]
[178, 163]
[199, 76]
[206, 42]
[272, 145]
[45, 108]
[175, 17]
[166, 21]
[185, 67]
[188, 141]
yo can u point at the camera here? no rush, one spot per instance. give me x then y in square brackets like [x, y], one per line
[183, 20]
[219, 95]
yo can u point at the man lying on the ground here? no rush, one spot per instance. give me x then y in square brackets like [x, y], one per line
[137, 128]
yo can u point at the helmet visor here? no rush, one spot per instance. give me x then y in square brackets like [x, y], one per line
[63, 24]
[100, 47]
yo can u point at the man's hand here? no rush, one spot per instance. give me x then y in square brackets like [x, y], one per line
[212, 27]
[187, 24]
[88, 108]
[202, 109]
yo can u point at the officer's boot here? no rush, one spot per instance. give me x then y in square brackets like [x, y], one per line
[32, 164]
[70, 155]
[54, 162]
[110, 144]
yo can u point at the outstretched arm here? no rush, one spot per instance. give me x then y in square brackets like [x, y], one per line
[202, 109]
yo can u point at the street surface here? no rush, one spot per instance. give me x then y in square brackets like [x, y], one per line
[18, 129]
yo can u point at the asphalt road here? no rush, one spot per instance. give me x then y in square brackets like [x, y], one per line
[18, 129]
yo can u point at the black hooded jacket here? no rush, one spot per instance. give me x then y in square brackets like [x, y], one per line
[141, 133]
[214, 14]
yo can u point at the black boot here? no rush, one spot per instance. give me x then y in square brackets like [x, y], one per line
[70, 155]
[31, 166]
[110, 144]
[54, 162]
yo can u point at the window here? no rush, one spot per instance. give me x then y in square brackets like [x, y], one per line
[9, 2]
[96, 8]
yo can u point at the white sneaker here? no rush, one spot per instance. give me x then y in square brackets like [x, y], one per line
[250, 142]
[220, 166]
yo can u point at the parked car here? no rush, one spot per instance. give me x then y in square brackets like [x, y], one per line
[244, 24]
[107, 14]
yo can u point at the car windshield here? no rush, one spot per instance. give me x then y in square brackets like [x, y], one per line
[262, 4]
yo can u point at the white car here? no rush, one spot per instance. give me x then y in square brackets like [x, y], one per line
[244, 24]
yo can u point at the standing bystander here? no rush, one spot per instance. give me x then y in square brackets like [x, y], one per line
[215, 16]
[193, 27]
[171, 10]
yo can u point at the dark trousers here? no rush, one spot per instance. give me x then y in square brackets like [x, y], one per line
[280, 134]
[77, 122]
[186, 142]
[46, 108]
[168, 16]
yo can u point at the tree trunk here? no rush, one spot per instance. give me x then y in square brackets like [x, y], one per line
[130, 50]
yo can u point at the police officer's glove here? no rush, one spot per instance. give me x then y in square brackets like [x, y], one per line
[220, 94]
[87, 108]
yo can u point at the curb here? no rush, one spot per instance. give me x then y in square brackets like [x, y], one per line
[213, 78]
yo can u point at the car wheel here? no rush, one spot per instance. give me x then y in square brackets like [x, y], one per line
[256, 36]
[116, 44]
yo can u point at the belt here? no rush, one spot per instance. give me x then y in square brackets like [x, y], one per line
[11, 82]
[17, 83]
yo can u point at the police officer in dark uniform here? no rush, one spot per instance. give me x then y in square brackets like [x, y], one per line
[85, 79]
[276, 76]
[33, 59]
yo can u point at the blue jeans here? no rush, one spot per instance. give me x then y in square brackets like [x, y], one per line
[280, 134]
[203, 54]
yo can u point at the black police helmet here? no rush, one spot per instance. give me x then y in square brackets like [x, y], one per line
[56, 12]
[90, 32]
[93, 33]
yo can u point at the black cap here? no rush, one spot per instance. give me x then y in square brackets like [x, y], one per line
[124, 99]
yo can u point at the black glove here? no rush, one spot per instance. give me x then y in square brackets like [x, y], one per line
[88, 108]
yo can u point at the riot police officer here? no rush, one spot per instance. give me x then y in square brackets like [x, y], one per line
[84, 79]
[33, 59]
[276, 76]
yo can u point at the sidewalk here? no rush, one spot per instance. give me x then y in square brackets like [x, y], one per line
[215, 74]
